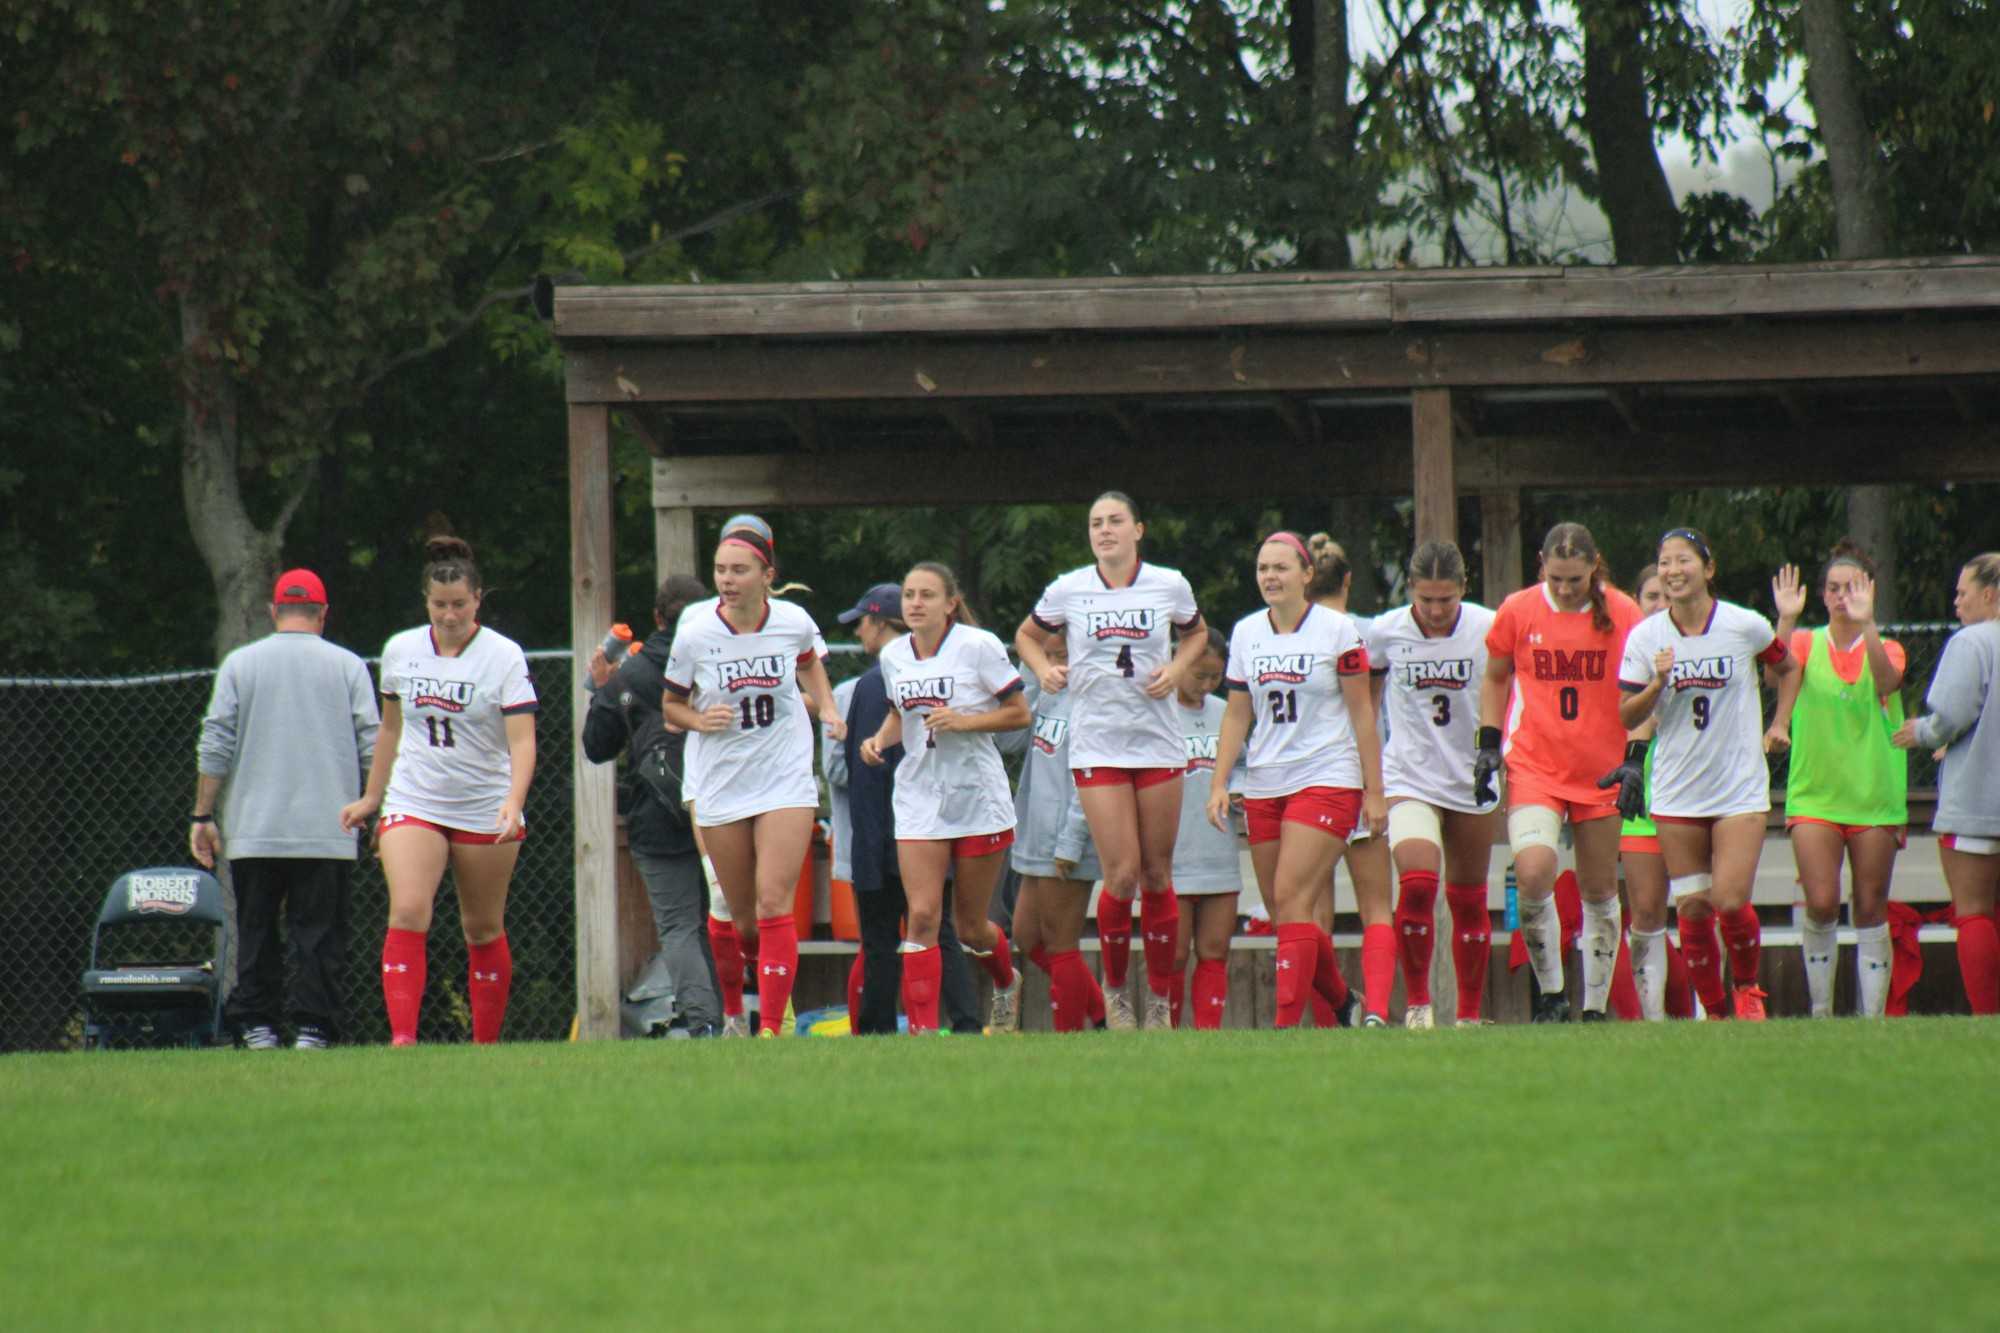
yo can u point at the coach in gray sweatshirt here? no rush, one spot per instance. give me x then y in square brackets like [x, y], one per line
[290, 731]
[1964, 717]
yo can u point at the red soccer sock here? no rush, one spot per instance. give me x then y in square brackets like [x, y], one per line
[1070, 984]
[777, 968]
[854, 978]
[1680, 993]
[1471, 944]
[1326, 976]
[491, 979]
[1040, 958]
[727, 946]
[1416, 910]
[1624, 986]
[1093, 994]
[1000, 963]
[404, 966]
[1704, 963]
[923, 977]
[1378, 966]
[1298, 951]
[1160, 920]
[1211, 993]
[1175, 996]
[1322, 1012]
[1744, 935]
[1114, 937]
[1978, 961]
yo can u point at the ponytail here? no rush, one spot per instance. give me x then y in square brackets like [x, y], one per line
[1572, 541]
[1330, 570]
[942, 573]
[448, 559]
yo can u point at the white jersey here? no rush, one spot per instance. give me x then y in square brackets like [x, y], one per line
[452, 763]
[1431, 699]
[1302, 736]
[764, 759]
[1118, 637]
[1205, 859]
[1708, 755]
[950, 784]
[1048, 818]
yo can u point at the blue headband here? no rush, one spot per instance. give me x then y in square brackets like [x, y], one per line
[1691, 537]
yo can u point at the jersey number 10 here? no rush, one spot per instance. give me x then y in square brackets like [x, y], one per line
[758, 711]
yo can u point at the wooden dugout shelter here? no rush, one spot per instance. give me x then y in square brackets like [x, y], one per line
[1429, 383]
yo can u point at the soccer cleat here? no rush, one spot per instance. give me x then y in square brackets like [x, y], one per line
[1006, 1012]
[1473, 1023]
[1750, 1004]
[1593, 1016]
[1159, 1013]
[260, 1038]
[1418, 1018]
[1551, 1009]
[1374, 1021]
[1118, 1015]
[736, 1025]
[312, 1038]
[1349, 1014]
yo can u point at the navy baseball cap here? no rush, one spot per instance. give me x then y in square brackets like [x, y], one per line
[884, 600]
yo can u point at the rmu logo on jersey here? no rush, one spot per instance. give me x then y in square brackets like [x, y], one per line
[1702, 673]
[1555, 664]
[1452, 675]
[1136, 623]
[171, 894]
[934, 693]
[1050, 733]
[1200, 751]
[751, 673]
[1281, 668]
[453, 696]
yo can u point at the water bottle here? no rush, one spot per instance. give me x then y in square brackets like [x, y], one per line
[617, 644]
[1513, 900]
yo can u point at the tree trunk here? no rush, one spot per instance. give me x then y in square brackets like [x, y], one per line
[1317, 34]
[1632, 186]
[1871, 521]
[1833, 82]
[1352, 524]
[242, 559]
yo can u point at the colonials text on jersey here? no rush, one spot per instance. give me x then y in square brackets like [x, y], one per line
[1280, 668]
[1050, 733]
[1702, 673]
[453, 696]
[1452, 675]
[932, 693]
[751, 673]
[1136, 623]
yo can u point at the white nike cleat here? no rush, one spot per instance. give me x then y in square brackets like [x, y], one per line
[1159, 1013]
[1417, 1018]
[1005, 1015]
[1118, 1015]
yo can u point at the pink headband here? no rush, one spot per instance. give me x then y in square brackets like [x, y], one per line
[1291, 539]
[750, 543]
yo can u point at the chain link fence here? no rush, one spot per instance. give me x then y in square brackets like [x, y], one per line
[98, 775]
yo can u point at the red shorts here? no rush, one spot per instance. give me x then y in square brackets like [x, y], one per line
[1137, 778]
[485, 839]
[1523, 789]
[1847, 831]
[1644, 843]
[1334, 810]
[977, 844]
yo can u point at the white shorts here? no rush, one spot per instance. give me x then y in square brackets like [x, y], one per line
[1204, 891]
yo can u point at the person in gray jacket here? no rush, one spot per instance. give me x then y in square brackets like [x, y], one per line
[1964, 717]
[289, 731]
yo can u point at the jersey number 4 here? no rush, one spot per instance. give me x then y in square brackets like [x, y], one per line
[1125, 661]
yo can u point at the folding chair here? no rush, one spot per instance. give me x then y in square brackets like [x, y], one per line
[158, 956]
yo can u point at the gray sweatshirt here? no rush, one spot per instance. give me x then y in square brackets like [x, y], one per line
[1964, 703]
[291, 727]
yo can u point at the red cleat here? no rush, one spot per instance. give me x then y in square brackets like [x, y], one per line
[1750, 1004]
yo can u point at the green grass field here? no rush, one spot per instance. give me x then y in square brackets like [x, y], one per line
[1823, 1176]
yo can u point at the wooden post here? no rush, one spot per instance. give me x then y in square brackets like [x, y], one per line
[591, 610]
[673, 541]
[1500, 544]
[1434, 434]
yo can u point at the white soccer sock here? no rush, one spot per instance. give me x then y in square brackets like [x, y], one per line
[1876, 959]
[1649, 969]
[1821, 945]
[1599, 942]
[1541, 928]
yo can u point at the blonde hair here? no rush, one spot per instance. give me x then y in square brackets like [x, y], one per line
[1330, 570]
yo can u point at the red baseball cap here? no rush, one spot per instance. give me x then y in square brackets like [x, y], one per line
[299, 587]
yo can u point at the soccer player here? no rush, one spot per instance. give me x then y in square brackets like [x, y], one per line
[742, 665]
[1208, 874]
[1557, 645]
[1964, 718]
[1847, 789]
[1694, 670]
[950, 688]
[1314, 769]
[1119, 615]
[1367, 857]
[1428, 659]
[1659, 969]
[453, 794]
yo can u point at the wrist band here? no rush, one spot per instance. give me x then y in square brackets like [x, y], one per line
[1635, 751]
[1489, 738]
[201, 819]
